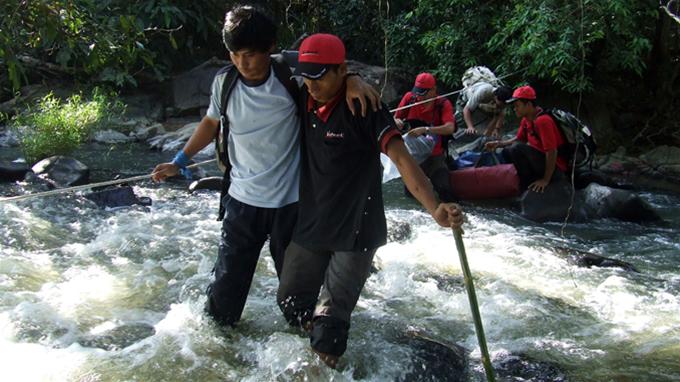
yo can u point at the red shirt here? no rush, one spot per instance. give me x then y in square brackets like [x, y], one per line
[439, 114]
[542, 134]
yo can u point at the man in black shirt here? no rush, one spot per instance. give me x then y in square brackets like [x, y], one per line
[341, 220]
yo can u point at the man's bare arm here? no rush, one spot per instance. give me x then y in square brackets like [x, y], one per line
[204, 134]
[359, 89]
[445, 214]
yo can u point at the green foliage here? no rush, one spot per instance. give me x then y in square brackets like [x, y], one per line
[118, 41]
[544, 40]
[111, 41]
[54, 127]
[358, 22]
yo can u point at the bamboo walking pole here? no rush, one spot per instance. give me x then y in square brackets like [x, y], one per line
[474, 307]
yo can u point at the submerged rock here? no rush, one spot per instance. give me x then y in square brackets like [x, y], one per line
[117, 197]
[398, 231]
[119, 337]
[589, 259]
[593, 202]
[522, 367]
[445, 281]
[592, 259]
[606, 202]
[434, 360]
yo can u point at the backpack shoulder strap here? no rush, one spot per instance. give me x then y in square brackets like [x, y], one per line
[228, 84]
[283, 74]
[437, 109]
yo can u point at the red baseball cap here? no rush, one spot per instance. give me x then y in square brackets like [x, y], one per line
[424, 82]
[317, 52]
[522, 92]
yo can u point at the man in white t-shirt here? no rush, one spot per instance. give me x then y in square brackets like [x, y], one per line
[264, 153]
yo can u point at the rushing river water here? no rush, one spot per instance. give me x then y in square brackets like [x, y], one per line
[117, 295]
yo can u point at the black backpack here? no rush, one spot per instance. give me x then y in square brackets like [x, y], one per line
[578, 139]
[283, 74]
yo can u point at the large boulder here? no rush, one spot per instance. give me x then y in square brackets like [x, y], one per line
[666, 159]
[61, 171]
[606, 202]
[392, 83]
[143, 108]
[557, 203]
[657, 169]
[191, 90]
[553, 204]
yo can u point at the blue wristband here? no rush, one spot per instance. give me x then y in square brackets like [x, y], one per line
[181, 160]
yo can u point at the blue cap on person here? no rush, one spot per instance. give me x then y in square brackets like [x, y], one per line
[316, 53]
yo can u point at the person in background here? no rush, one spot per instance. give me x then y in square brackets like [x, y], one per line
[483, 112]
[341, 220]
[533, 150]
[437, 115]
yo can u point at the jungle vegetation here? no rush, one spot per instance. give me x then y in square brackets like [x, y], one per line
[620, 56]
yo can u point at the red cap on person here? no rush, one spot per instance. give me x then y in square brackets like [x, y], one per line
[316, 53]
[522, 92]
[424, 82]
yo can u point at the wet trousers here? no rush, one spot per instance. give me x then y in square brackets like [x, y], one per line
[245, 229]
[323, 287]
[529, 162]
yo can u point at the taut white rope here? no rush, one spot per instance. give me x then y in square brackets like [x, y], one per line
[91, 185]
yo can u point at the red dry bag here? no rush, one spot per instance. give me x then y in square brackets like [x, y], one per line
[493, 182]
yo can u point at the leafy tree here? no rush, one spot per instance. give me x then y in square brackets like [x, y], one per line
[545, 39]
[112, 41]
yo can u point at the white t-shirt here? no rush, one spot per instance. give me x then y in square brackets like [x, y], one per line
[479, 93]
[264, 142]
